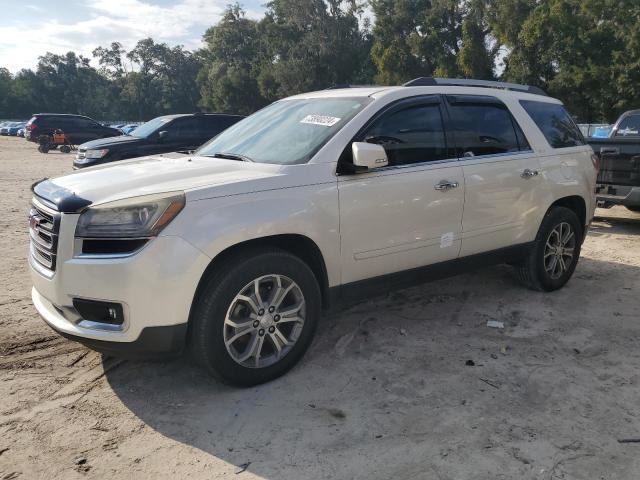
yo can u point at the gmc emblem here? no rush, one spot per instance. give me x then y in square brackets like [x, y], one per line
[34, 223]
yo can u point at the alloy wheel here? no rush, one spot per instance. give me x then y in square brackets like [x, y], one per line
[264, 321]
[559, 250]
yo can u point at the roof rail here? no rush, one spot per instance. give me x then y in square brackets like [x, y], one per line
[347, 85]
[466, 82]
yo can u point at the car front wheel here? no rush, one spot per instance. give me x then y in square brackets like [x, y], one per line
[255, 316]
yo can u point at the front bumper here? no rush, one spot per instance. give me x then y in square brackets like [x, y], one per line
[155, 287]
[609, 195]
[153, 342]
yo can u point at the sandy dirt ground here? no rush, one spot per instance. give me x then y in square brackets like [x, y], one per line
[384, 392]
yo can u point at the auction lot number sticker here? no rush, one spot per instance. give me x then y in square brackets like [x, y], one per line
[323, 120]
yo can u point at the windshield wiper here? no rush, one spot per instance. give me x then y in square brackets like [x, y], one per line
[230, 156]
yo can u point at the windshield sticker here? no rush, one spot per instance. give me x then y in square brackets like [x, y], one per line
[323, 120]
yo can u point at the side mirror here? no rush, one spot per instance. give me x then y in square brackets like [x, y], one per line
[163, 135]
[368, 155]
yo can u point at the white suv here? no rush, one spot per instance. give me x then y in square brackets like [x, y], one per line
[315, 200]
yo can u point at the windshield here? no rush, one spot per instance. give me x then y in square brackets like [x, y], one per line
[146, 129]
[286, 132]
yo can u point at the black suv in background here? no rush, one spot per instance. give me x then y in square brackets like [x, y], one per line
[77, 128]
[169, 133]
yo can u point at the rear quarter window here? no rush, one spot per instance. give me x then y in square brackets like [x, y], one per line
[556, 124]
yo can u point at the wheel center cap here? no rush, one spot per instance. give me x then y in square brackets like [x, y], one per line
[266, 320]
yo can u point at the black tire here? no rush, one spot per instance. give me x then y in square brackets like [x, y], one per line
[43, 148]
[220, 287]
[634, 208]
[65, 149]
[532, 272]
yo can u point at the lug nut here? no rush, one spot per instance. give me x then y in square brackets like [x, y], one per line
[261, 311]
[272, 329]
[276, 318]
[272, 309]
[255, 324]
[261, 332]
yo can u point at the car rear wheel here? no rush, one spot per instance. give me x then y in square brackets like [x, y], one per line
[553, 258]
[255, 316]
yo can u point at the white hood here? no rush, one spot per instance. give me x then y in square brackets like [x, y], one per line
[198, 177]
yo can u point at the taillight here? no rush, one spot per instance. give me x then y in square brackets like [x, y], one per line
[595, 159]
[31, 127]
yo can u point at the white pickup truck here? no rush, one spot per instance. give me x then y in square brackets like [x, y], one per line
[321, 198]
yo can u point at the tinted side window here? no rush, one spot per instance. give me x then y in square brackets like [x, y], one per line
[629, 126]
[182, 128]
[522, 140]
[410, 135]
[82, 123]
[483, 128]
[555, 123]
[62, 123]
[213, 125]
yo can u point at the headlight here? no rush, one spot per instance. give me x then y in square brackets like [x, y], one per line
[136, 217]
[96, 153]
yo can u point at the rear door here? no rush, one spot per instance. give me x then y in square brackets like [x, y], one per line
[76, 130]
[402, 216]
[501, 174]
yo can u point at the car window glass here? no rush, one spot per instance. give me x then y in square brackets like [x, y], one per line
[183, 128]
[555, 123]
[410, 135]
[61, 123]
[82, 123]
[629, 126]
[212, 125]
[483, 129]
[523, 143]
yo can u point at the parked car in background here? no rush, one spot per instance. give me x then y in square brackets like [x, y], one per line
[619, 155]
[15, 128]
[315, 200]
[77, 128]
[169, 133]
[20, 132]
[11, 128]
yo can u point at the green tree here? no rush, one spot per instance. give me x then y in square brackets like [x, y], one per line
[580, 51]
[476, 58]
[416, 38]
[313, 44]
[228, 78]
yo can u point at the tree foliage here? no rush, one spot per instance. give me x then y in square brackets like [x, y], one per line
[584, 52]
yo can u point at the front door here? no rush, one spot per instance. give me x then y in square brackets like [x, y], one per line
[409, 213]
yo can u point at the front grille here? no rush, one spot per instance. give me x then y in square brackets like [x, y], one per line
[44, 227]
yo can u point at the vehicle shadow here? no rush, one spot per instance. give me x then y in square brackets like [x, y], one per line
[386, 389]
[617, 220]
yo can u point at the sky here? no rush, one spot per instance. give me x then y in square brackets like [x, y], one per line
[30, 28]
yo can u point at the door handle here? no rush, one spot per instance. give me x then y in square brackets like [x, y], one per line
[611, 150]
[527, 173]
[445, 185]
